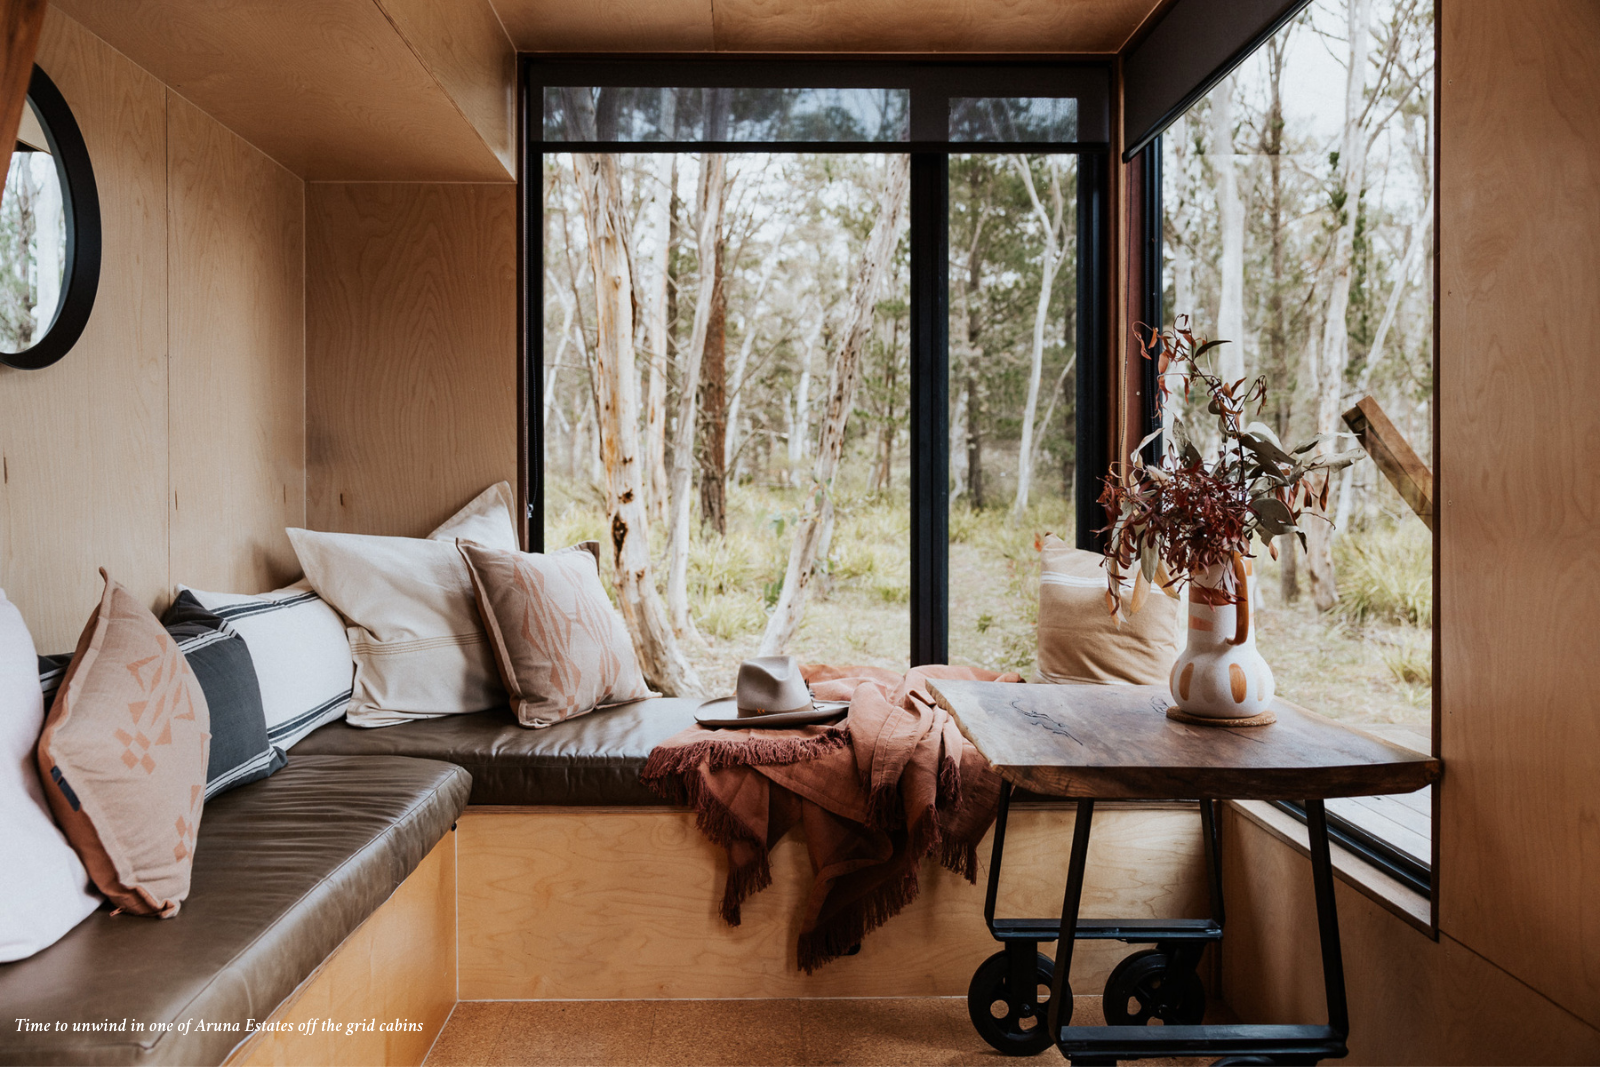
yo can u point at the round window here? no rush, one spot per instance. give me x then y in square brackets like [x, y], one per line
[49, 234]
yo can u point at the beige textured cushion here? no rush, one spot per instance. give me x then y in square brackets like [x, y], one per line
[1079, 641]
[562, 648]
[414, 630]
[123, 756]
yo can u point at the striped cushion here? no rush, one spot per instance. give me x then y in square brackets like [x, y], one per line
[220, 659]
[301, 655]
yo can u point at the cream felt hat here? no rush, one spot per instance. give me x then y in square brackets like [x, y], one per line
[770, 692]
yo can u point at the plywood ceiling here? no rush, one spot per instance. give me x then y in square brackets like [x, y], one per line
[336, 90]
[822, 25]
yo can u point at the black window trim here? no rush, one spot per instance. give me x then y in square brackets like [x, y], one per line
[1090, 79]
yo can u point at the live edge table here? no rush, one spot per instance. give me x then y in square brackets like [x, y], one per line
[1115, 742]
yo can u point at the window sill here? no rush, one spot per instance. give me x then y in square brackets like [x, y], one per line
[1387, 892]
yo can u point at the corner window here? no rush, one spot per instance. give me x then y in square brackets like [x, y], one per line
[1300, 228]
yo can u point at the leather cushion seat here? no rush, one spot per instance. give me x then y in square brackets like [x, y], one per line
[592, 760]
[284, 870]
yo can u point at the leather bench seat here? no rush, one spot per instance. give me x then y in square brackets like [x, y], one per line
[285, 869]
[592, 760]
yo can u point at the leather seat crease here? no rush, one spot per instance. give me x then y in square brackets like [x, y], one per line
[594, 759]
[285, 869]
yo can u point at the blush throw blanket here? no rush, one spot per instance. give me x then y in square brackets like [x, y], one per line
[875, 795]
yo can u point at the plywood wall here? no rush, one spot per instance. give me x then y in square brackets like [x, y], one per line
[196, 330]
[1513, 976]
[1519, 378]
[411, 333]
[1413, 1000]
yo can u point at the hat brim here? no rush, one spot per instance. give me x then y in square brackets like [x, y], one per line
[724, 711]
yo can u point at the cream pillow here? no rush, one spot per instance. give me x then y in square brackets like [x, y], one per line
[418, 642]
[1079, 641]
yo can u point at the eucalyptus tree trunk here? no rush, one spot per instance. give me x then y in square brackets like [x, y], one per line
[1277, 327]
[1333, 354]
[713, 175]
[1230, 222]
[714, 407]
[800, 429]
[1052, 222]
[657, 331]
[1178, 229]
[742, 360]
[617, 415]
[815, 526]
[958, 447]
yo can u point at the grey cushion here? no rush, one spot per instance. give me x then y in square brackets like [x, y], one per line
[240, 752]
[594, 759]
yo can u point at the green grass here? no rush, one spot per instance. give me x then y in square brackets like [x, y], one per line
[1385, 574]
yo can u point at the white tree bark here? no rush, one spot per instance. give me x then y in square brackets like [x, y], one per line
[958, 447]
[800, 431]
[815, 526]
[1051, 221]
[730, 442]
[1181, 240]
[655, 409]
[713, 186]
[1333, 355]
[663, 663]
[1230, 223]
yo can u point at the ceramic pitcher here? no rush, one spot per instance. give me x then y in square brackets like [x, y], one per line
[1220, 674]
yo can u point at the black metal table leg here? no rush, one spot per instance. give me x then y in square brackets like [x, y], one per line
[1208, 830]
[1327, 918]
[996, 853]
[1060, 986]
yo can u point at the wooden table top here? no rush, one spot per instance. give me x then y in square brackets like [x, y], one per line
[1112, 742]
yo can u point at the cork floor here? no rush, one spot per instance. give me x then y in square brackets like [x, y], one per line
[708, 1033]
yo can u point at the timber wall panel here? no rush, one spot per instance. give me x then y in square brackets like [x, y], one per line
[85, 481]
[168, 445]
[466, 50]
[1412, 999]
[328, 88]
[411, 327]
[1519, 560]
[237, 322]
[623, 903]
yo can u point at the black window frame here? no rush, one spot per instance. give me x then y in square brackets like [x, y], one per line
[932, 82]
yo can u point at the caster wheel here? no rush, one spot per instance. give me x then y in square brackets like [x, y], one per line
[999, 1016]
[1139, 991]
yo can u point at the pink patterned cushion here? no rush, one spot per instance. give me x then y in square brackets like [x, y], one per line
[561, 647]
[123, 756]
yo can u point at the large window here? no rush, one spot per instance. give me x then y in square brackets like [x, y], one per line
[747, 338]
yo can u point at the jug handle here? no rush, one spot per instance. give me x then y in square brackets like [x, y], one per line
[1241, 580]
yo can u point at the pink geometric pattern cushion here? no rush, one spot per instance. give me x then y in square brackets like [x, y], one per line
[561, 647]
[123, 757]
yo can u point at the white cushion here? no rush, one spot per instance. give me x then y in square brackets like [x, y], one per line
[418, 641]
[302, 659]
[44, 890]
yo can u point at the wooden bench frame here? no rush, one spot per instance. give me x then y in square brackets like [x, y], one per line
[621, 903]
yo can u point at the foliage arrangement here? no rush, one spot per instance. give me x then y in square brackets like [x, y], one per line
[1178, 519]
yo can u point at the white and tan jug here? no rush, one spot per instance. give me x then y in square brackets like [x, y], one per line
[1220, 675]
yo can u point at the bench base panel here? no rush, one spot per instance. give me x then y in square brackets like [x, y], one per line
[621, 903]
[398, 966]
